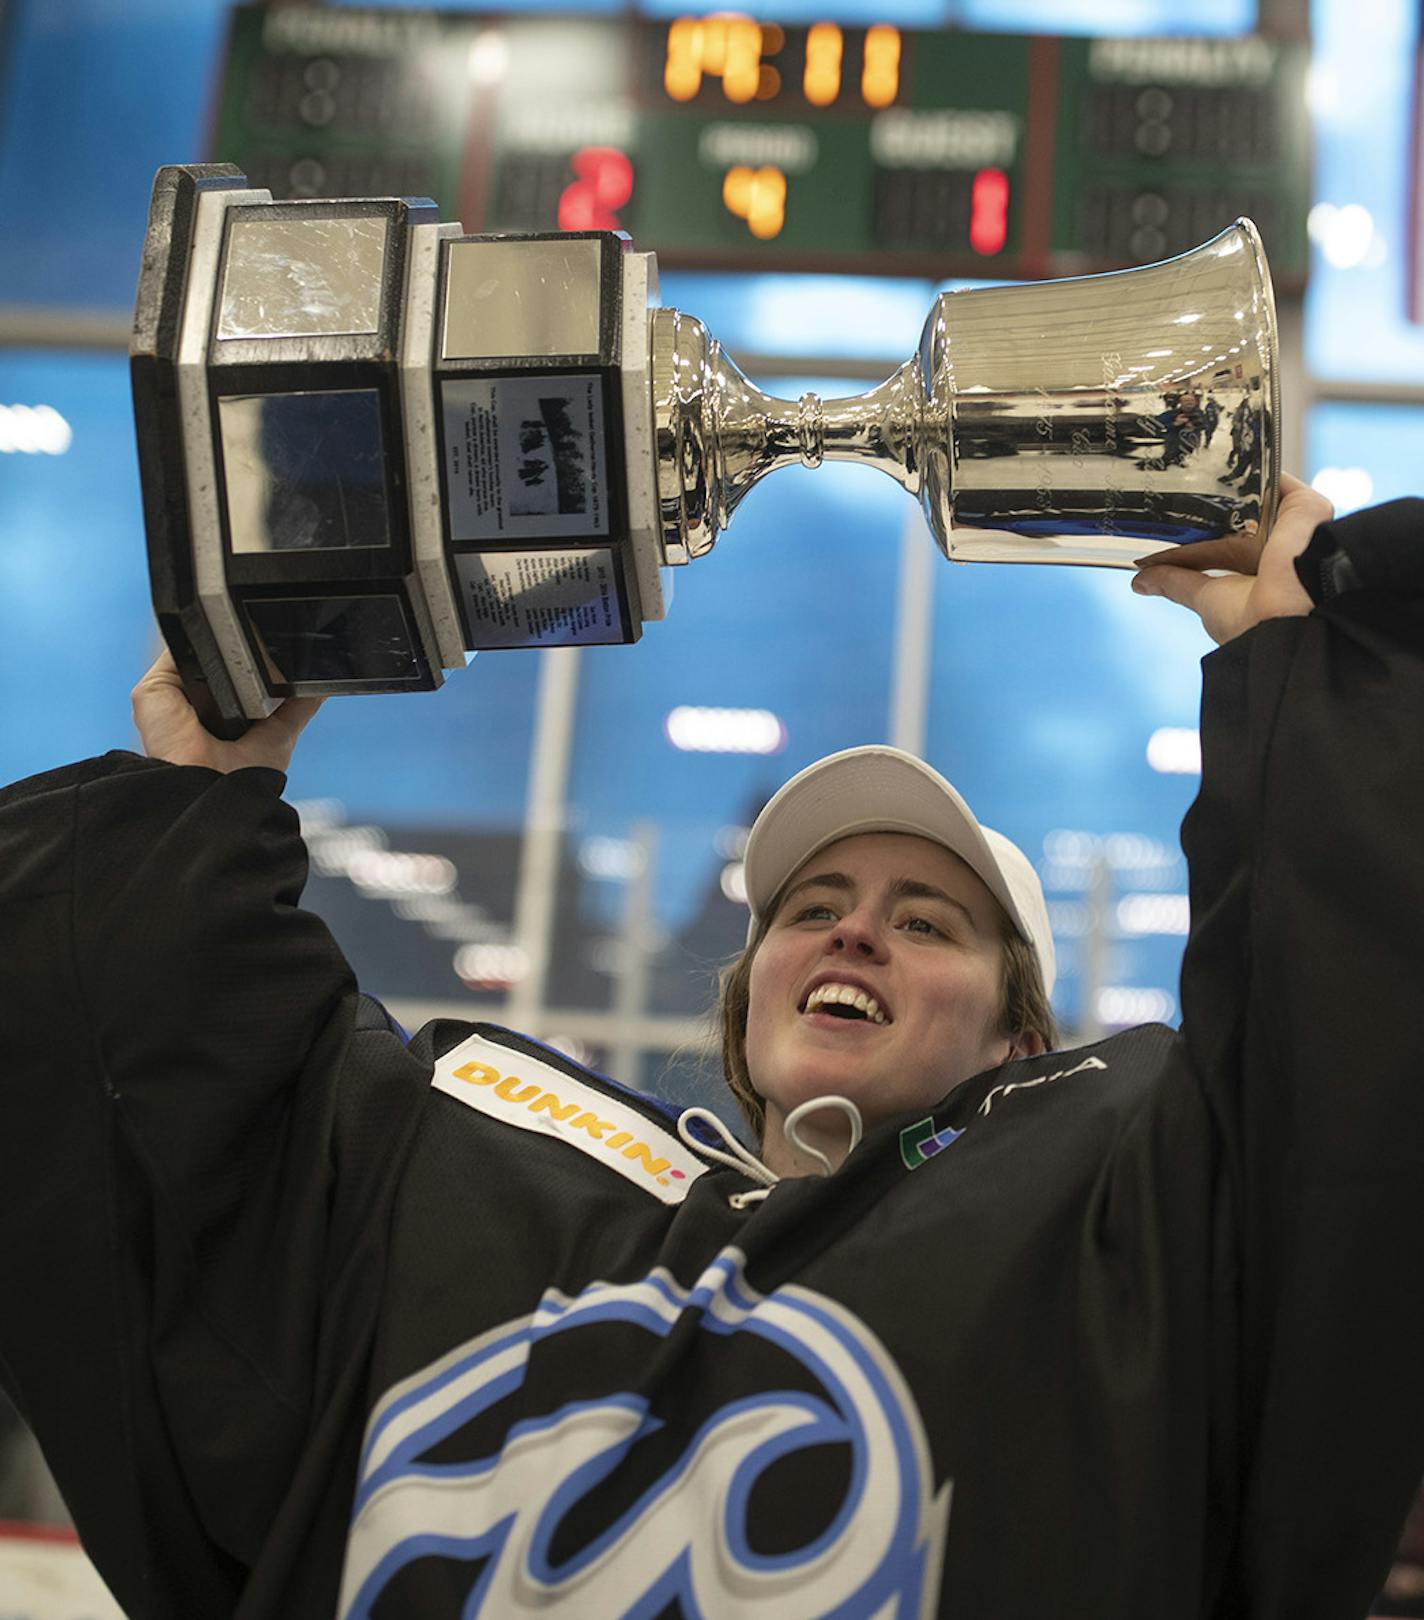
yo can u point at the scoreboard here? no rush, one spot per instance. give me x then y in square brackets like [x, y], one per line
[723, 142]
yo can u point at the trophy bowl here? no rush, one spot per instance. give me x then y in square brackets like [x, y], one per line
[371, 446]
[1089, 420]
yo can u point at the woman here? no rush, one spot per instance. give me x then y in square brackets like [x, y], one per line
[894, 944]
[317, 1321]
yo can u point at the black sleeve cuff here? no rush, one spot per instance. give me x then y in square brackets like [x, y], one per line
[1380, 549]
[117, 762]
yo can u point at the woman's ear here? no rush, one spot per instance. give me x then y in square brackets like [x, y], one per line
[1028, 1043]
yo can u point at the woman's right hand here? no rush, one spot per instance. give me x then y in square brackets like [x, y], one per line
[171, 730]
[1262, 582]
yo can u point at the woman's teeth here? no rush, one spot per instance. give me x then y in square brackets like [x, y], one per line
[845, 995]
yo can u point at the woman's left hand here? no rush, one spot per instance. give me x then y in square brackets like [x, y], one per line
[171, 730]
[1262, 583]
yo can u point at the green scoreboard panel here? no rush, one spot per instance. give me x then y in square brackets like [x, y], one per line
[720, 142]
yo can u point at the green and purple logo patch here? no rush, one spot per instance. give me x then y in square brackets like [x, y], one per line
[921, 1141]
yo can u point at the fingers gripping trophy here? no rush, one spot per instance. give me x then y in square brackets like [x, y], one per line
[372, 446]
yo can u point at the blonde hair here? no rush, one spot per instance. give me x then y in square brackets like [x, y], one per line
[1024, 1008]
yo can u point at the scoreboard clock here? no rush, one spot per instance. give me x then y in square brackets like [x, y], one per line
[723, 142]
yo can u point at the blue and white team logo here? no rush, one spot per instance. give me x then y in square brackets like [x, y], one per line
[684, 1540]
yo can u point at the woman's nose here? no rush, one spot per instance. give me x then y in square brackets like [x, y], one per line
[857, 935]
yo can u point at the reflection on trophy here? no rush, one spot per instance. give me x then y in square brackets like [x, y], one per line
[371, 446]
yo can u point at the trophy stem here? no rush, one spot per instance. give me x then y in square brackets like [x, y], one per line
[880, 428]
[718, 434]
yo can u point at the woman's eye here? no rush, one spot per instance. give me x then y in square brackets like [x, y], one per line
[921, 925]
[813, 912]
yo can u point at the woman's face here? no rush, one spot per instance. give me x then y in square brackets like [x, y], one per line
[903, 932]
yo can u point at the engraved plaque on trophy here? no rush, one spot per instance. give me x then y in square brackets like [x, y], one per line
[371, 445]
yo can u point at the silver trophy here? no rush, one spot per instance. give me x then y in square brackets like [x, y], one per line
[371, 445]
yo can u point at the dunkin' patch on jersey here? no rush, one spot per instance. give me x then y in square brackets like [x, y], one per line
[535, 1096]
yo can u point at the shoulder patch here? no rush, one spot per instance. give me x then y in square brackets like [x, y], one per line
[534, 1096]
[921, 1141]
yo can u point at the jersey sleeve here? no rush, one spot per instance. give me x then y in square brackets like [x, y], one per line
[1302, 992]
[171, 1029]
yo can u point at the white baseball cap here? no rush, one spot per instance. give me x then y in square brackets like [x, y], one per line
[878, 789]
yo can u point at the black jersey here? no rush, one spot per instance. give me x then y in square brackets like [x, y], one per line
[311, 1320]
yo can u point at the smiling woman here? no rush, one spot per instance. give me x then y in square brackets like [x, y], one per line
[897, 947]
[856, 928]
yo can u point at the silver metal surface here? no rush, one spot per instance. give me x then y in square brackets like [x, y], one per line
[302, 277]
[1089, 420]
[506, 299]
